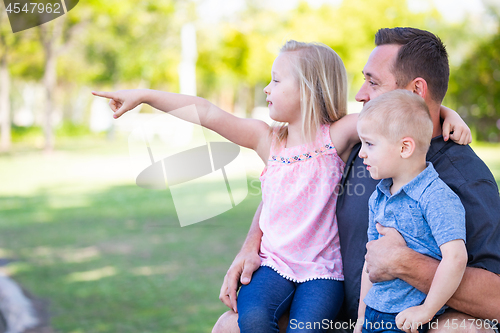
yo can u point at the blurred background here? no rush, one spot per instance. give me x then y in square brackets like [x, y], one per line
[103, 255]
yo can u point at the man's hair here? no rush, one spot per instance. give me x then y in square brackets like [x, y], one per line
[322, 79]
[422, 54]
[398, 114]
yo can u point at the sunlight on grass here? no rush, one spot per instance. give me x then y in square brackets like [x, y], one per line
[16, 268]
[154, 270]
[66, 201]
[92, 275]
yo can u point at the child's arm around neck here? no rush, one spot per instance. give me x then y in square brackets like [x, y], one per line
[344, 135]
[249, 133]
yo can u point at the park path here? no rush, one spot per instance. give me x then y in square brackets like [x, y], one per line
[21, 312]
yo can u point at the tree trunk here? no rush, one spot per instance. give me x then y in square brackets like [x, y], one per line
[50, 41]
[5, 136]
[49, 81]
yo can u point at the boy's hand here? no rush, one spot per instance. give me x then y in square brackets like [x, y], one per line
[412, 318]
[359, 325]
[121, 101]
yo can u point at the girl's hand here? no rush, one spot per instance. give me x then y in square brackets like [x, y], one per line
[122, 101]
[454, 127]
[413, 318]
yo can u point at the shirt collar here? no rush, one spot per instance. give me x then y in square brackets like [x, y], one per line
[415, 187]
[384, 186]
[437, 144]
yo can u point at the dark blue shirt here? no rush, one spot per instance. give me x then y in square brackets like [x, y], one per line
[460, 168]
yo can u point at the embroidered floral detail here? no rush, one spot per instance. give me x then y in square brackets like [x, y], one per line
[301, 157]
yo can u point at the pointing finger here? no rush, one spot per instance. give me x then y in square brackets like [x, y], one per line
[104, 94]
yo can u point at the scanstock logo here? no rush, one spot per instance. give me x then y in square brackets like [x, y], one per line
[28, 14]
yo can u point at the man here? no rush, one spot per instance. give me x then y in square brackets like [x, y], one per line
[415, 60]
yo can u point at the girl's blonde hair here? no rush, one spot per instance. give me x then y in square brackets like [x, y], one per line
[323, 86]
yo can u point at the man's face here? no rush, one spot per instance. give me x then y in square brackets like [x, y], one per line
[378, 76]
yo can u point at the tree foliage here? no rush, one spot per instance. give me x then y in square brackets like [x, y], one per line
[248, 45]
[127, 44]
[475, 89]
[124, 41]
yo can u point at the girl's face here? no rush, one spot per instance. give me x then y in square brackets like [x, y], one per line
[283, 92]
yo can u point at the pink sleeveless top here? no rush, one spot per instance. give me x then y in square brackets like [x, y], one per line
[299, 190]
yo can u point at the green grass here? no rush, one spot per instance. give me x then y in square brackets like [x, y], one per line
[490, 154]
[110, 256]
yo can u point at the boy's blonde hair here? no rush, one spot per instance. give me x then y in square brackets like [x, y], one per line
[323, 86]
[398, 114]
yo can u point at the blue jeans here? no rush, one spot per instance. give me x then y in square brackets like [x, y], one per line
[313, 304]
[376, 321]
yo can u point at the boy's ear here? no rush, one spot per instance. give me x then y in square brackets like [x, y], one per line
[418, 86]
[407, 147]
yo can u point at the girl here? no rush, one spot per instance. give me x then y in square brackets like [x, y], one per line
[301, 267]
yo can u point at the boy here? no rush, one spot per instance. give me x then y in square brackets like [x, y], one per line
[395, 131]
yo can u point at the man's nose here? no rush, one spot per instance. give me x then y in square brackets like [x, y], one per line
[362, 95]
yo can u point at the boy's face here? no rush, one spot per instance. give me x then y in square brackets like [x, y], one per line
[381, 156]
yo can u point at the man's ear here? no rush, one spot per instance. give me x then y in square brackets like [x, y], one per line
[418, 86]
[407, 147]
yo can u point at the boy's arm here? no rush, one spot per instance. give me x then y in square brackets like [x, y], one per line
[249, 133]
[388, 258]
[448, 275]
[366, 284]
[344, 135]
[247, 261]
[454, 127]
[444, 284]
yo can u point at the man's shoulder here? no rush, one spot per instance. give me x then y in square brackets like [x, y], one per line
[458, 164]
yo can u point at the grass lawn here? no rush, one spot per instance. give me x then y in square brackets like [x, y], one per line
[110, 256]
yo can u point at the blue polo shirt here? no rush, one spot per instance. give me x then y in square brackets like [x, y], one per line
[462, 170]
[427, 214]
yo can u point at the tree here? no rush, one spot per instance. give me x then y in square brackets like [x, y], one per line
[12, 46]
[240, 52]
[5, 136]
[50, 35]
[127, 41]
